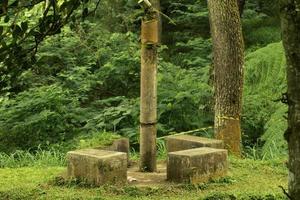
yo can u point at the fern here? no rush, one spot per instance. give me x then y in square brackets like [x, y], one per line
[265, 81]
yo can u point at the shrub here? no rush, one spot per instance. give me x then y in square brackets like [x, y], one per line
[38, 117]
[184, 98]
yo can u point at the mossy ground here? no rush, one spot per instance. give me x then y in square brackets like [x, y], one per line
[247, 179]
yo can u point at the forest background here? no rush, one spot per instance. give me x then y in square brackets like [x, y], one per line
[82, 87]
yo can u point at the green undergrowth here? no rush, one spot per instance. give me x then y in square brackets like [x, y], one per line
[39, 158]
[247, 180]
[96, 140]
[54, 155]
[264, 114]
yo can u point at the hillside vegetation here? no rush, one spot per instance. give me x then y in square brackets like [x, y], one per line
[81, 89]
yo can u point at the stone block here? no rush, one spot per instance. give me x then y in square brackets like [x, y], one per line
[196, 165]
[97, 167]
[120, 145]
[185, 142]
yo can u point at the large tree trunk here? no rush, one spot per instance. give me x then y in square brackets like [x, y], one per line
[228, 61]
[148, 116]
[290, 15]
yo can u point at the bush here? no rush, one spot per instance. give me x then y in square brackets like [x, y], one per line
[38, 117]
[193, 53]
[260, 30]
[184, 98]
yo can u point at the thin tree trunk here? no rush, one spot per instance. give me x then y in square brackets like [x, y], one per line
[241, 4]
[148, 117]
[290, 23]
[4, 6]
[228, 50]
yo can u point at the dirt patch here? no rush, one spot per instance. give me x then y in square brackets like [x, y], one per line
[137, 178]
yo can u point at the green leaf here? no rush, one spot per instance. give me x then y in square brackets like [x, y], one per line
[1, 30]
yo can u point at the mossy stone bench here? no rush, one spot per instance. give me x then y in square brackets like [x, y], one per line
[196, 165]
[97, 167]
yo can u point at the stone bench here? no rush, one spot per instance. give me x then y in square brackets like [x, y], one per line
[196, 165]
[97, 167]
[185, 142]
[119, 145]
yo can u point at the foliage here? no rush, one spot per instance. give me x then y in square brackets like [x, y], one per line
[260, 30]
[93, 70]
[69, 79]
[118, 114]
[193, 53]
[184, 98]
[38, 158]
[39, 116]
[263, 113]
[23, 26]
[188, 42]
[185, 13]
[274, 143]
[96, 140]
[84, 79]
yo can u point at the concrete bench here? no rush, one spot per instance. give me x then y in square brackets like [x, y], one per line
[97, 167]
[196, 165]
[119, 145]
[185, 142]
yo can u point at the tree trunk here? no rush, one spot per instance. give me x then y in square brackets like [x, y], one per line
[228, 50]
[4, 6]
[148, 116]
[290, 23]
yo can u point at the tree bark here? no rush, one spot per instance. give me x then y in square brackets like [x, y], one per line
[228, 61]
[148, 116]
[290, 23]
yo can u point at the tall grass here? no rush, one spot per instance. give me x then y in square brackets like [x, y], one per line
[39, 158]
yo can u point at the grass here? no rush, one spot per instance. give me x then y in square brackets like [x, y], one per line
[34, 175]
[54, 155]
[37, 158]
[247, 179]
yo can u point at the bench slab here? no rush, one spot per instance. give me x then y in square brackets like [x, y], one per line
[196, 165]
[185, 142]
[97, 167]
